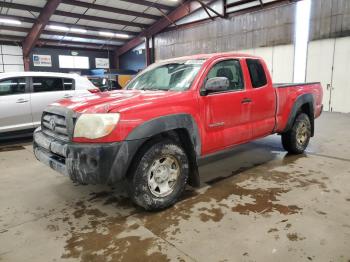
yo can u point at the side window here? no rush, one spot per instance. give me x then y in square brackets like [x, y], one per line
[230, 69]
[47, 84]
[12, 86]
[68, 84]
[257, 73]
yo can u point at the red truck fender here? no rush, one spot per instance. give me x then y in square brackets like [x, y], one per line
[181, 127]
[304, 103]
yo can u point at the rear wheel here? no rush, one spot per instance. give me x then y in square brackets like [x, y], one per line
[159, 175]
[297, 138]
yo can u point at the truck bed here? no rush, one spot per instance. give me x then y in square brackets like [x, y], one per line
[287, 93]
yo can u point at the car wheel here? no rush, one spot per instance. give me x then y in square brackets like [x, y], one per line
[159, 175]
[297, 138]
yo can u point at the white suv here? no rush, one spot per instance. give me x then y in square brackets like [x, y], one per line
[24, 96]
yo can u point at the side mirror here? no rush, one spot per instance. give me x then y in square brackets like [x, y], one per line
[215, 84]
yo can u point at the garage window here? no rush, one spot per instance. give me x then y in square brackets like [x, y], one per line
[12, 86]
[47, 84]
[257, 73]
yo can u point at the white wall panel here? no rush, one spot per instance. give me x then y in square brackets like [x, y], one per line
[14, 68]
[329, 63]
[279, 60]
[11, 50]
[267, 54]
[319, 66]
[12, 60]
[340, 101]
[283, 64]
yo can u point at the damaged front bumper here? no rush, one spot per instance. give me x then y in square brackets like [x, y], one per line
[85, 163]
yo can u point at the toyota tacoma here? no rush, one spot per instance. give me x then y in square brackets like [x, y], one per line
[169, 116]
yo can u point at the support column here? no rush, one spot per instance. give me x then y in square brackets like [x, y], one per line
[34, 33]
[26, 63]
[148, 52]
[153, 49]
[116, 60]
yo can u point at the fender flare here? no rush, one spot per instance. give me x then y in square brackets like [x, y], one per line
[167, 123]
[151, 128]
[299, 102]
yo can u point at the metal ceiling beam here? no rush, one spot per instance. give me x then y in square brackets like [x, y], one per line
[241, 2]
[255, 8]
[85, 36]
[39, 25]
[100, 19]
[207, 7]
[69, 34]
[166, 16]
[109, 9]
[74, 44]
[12, 38]
[19, 18]
[49, 42]
[14, 28]
[149, 4]
[72, 15]
[91, 28]
[44, 42]
[183, 10]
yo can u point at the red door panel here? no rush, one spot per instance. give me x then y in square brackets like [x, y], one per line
[226, 114]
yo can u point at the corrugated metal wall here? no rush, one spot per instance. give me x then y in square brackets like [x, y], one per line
[329, 18]
[269, 27]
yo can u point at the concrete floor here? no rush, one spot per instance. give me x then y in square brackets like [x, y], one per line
[256, 204]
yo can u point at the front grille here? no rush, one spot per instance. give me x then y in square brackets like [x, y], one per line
[55, 125]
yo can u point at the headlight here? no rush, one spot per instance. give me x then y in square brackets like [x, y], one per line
[94, 126]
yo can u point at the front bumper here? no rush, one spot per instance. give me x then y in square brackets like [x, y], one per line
[85, 163]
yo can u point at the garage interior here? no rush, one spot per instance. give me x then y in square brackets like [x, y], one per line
[255, 201]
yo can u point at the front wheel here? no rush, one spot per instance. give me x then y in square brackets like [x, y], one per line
[297, 138]
[159, 175]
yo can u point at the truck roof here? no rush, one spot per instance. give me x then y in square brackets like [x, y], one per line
[213, 56]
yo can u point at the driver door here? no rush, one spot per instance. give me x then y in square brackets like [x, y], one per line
[226, 113]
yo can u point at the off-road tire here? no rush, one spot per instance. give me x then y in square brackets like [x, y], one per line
[137, 180]
[292, 141]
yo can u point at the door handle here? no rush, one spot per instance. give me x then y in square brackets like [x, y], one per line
[246, 101]
[67, 96]
[21, 101]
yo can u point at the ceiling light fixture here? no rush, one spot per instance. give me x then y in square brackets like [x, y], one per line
[122, 35]
[10, 21]
[108, 34]
[58, 28]
[78, 30]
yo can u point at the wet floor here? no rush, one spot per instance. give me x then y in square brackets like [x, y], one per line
[256, 203]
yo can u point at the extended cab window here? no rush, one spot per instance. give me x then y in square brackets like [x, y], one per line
[47, 84]
[257, 73]
[231, 69]
[12, 86]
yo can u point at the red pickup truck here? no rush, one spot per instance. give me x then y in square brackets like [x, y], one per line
[171, 115]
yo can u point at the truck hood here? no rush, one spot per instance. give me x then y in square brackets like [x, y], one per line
[121, 100]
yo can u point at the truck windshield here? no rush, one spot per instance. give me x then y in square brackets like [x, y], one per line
[175, 76]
